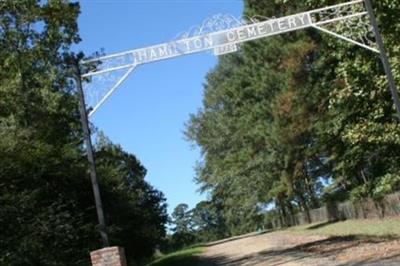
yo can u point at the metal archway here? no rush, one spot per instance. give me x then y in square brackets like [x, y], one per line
[353, 22]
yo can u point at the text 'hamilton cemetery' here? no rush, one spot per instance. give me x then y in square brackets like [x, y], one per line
[223, 41]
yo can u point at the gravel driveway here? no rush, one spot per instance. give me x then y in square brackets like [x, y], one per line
[281, 248]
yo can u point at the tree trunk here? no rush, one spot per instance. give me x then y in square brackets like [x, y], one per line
[292, 219]
[305, 207]
[283, 212]
[310, 189]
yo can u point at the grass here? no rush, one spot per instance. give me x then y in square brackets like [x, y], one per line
[182, 258]
[370, 227]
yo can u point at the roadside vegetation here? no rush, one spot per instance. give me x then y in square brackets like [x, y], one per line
[183, 257]
[384, 228]
[47, 211]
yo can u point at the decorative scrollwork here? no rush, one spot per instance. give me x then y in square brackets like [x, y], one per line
[349, 20]
[97, 87]
[219, 22]
[257, 18]
[216, 22]
[359, 29]
[337, 12]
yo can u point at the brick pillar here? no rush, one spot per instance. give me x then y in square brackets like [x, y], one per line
[112, 256]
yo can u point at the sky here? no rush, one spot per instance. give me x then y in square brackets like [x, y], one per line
[147, 114]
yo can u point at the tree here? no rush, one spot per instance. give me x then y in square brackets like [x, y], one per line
[287, 113]
[256, 126]
[45, 218]
[359, 133]
[181, 218]
[47, 213]
[201, 224]
[183, 233]
[206, 222]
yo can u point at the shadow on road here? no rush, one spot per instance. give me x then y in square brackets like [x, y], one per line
[320, 225]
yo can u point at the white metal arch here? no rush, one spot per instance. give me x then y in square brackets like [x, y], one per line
[223, 34]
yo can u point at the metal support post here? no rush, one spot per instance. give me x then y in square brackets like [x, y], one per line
[384, 57]
[90, 156]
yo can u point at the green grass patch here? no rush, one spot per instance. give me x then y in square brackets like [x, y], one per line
[369, 227]
[184, 257]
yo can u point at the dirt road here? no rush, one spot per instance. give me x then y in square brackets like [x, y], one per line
[281, 248]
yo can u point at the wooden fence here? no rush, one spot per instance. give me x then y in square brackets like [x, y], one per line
[368, 208]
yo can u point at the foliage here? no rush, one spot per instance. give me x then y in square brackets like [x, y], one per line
[387, 184]
[181, 219]
[183, 234]
[360, 123]
[297, 119]
[198, 225]
[47, 212]
[136, 212]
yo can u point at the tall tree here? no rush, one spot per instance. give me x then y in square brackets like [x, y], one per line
[45, 220]
[289, 111]
[183, 232]
[47, 214]
[256, 125]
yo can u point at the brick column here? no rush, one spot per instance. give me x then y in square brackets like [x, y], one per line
[112, 256]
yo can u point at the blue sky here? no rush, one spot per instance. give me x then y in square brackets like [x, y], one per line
[147, 113]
